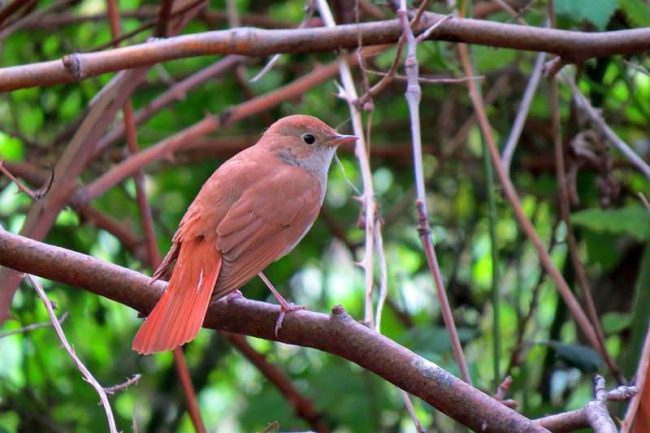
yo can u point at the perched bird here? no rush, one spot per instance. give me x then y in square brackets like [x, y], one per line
[252, 211]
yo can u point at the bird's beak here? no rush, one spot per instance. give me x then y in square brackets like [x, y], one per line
[339, 139]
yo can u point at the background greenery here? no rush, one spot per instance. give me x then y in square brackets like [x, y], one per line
[41, 391]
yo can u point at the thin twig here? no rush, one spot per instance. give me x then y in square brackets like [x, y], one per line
[565, 213]
[388, 77]
[302, 406]
[522, 113]
[24, 188]
[163, 18]
[309, 13]
[86, 374]
[349, 93]
[644, 200]
[32, 18]
[411, 411]
[122, 386]
[33, 326]
[413, 96]
[594, 414]
[428, 80]
[597, 412]
[510, 11]
[145, 211]
[600, 123]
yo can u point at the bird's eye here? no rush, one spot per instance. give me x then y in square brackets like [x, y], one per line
[308, 138]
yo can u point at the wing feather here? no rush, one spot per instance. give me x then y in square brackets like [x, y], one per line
[259, 230]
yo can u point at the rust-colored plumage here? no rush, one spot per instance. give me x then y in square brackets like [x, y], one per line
[253, 210]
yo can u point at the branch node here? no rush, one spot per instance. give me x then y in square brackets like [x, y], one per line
[339, 313]
[552, 67]
[72, 63]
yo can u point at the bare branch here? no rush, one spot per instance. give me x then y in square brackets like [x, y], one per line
[33, 326]
[338, 334]
[569, 45]
[522, 113]
[349, 93]
[86, 374]
[121, 386]
[413, 96]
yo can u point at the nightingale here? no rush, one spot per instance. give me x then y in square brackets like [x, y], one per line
[253, 210]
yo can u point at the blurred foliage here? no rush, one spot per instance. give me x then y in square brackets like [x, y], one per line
[40, 390]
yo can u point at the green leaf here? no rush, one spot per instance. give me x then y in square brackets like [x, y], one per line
[11, 149]
[633, 221]
[581, 357]
[615, 322]
[637, 11]
[597, 12]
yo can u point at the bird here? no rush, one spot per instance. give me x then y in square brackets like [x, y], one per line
[252, 211]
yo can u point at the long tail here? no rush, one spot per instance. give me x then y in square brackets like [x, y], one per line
[179, 314]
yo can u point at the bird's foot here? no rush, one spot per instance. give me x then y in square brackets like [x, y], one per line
[235, 294]
[285, 307]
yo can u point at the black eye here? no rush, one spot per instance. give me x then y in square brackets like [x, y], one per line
[308, 138]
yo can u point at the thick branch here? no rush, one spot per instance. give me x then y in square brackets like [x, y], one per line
[569, 45]
[338, 334]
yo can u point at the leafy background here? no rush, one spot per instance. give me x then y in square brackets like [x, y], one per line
[41, 391]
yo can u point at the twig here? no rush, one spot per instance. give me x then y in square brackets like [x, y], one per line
[183, 373]
[31, 18]
[522, 113]
[510, 11]
[309, 13]
[33, 326]
[597, 412]
[145, 211]
[644, 200]
[383, 275]
[388, 77]
[86, 374]
[594, 414]
[11, 8]
[413, 96]
[638, 407]
[174, 93]
[302, 406]
[427, 80]
[604, 128]
[121, 386]
[163, 18]
[18, 183]
[349, 93]
[494, 257]
[411, 411]
[189, 8]
[515, 355]
[565, 213]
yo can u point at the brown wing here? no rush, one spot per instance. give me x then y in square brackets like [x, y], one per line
[265, 224]
[212, 202]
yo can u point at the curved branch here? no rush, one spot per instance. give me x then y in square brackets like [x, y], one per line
[569, 45]
[338, 334]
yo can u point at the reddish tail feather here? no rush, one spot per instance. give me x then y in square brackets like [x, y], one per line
[179, 314]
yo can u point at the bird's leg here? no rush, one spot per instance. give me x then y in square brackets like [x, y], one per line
[285, 307]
